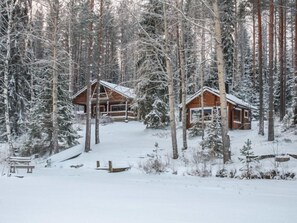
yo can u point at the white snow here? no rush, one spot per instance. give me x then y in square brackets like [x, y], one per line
[61, 194]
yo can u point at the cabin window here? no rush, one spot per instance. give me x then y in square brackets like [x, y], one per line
[237, 115]
[246, 114]
[118, 107]
[102, 109]
[80, 109]
[196, 114]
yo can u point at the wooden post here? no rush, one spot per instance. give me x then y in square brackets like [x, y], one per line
[97, 164]
[126, 111]
[110, 166]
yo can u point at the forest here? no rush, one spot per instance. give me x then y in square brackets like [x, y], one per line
[163, 49]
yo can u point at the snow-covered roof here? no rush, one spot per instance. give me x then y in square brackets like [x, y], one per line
[230, 98]
[125, 91]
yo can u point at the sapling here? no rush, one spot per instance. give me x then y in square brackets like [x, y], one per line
[196, 129]
[213, 141]
[155, 164]
[249, 158]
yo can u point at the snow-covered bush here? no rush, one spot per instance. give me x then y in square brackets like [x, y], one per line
[226, 173]
[200, 164]
[276, 175]
[155, 164]
[105, 119]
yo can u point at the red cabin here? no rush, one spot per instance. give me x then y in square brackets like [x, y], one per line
[239, 112]
[115, 100]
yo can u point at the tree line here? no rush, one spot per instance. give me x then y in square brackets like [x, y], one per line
[163, 49]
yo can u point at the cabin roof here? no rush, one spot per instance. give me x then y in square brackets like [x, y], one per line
[230, 98]
[125, 91]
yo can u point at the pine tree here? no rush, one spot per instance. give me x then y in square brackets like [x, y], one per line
[39, 126]
[248, 159]
[196, 129]
[213, 141]
[47, 134]
[151, 86]
[15, 57]
[158, 116]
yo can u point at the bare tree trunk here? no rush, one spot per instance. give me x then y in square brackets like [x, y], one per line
[281, 59]
[223, 101]
[295, 72]
[88, 79]
[183, 75]
[100, 42]
[70, 42]
[285, 57]
[170, 89]
[254, 44]
[54, 38]
[235, 64]
[203, 58]
[271, 98]
[260, 59]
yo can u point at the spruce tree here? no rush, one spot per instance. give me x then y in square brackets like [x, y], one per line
[151, 87]
[196, 129]
[158, 116]
[15, 57]
[213, 141]
[39, 126]
[248, 159]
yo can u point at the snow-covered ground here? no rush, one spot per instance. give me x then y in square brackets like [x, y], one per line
[62, 194]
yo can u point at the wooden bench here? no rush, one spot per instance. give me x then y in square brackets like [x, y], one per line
[111, 169]
[20, 163]
[28, 167]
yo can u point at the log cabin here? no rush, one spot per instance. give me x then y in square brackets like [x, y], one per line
[115, 100]
[239, 112]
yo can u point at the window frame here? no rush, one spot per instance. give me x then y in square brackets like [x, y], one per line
[200, 109]
[240, 115]
[246, 113]
[117, 105]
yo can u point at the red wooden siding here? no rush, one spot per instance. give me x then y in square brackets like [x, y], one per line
[212, 100]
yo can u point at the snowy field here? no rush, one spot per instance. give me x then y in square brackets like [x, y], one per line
[61, 194]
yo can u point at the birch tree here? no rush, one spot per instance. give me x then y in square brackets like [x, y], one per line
[181, 55]
[223, 101]
[100, 64]
[54, 18]
[170, 88]
[88, 79]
